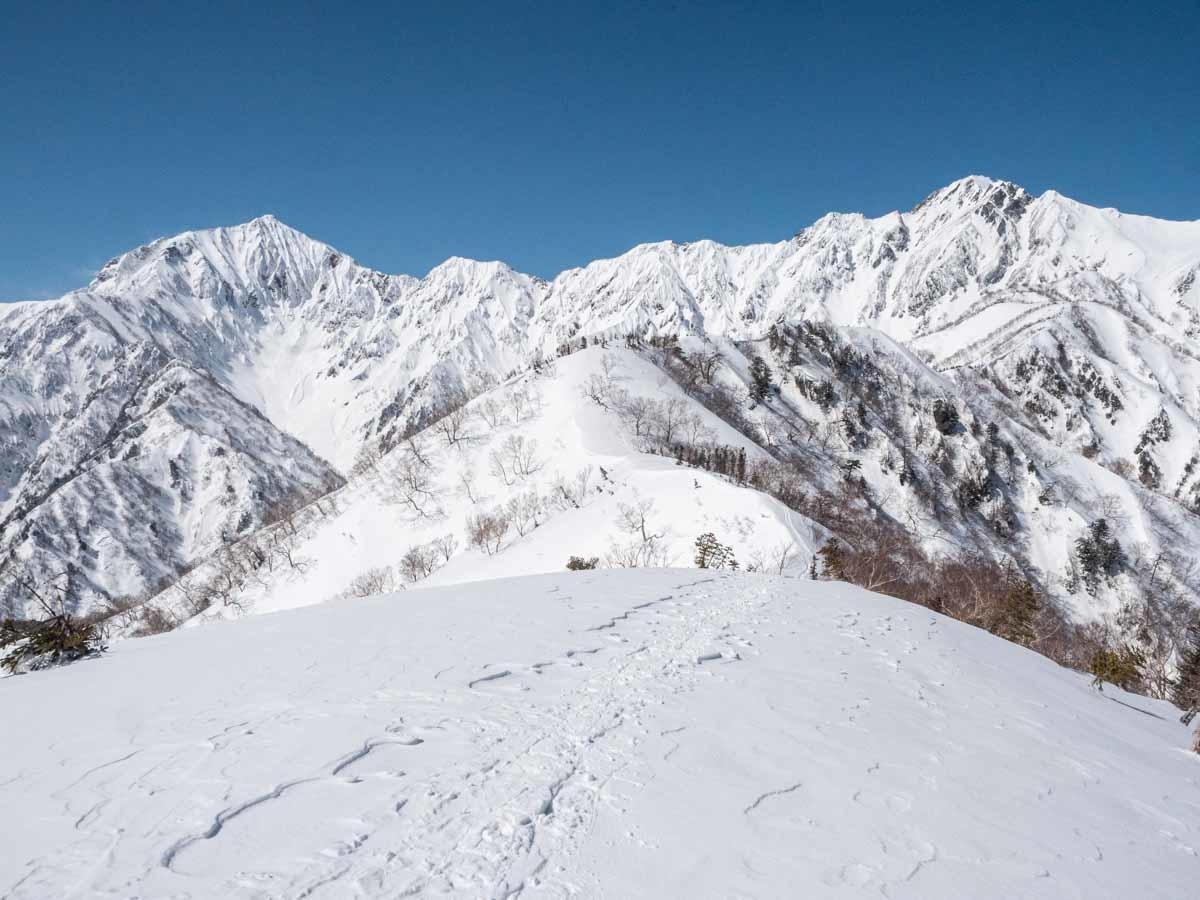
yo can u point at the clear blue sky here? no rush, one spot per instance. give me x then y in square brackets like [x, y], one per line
[549, 134]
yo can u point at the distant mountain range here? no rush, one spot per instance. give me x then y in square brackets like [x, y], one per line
[202, 381]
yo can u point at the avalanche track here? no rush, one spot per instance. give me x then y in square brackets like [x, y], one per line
[618, 734]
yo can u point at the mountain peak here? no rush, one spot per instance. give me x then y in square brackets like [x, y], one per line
[233, 250]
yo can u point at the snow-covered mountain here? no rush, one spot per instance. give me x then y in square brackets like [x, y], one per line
[1071, 329]
[593, 734]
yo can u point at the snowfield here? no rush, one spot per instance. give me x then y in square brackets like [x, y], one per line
[621, 733]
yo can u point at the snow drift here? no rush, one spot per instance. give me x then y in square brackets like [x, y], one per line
[620, 733]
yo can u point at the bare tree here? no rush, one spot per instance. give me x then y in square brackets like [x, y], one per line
[418, 562]
[706, 363]
[639, 411]
[413, 485]
[634, 518]
[668, 420]
[445, 547]
[501, 467]
[373, 581]
[491, 411]
[522, 403]
[645, 548]
[524, 511]
[523, 453]
[570, 493]
[696, 432]
[466, 480]
[416, 450]
[599, 389]
[454, 428]
[515, 459]
[486, 530]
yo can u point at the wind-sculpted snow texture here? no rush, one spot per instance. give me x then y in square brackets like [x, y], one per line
[1081, 322]
[601, 734]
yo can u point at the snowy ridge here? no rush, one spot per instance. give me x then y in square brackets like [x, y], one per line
[1083, 321]
[572, 445]
[634, 734]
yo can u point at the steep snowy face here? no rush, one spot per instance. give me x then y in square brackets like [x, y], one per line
[182, 467]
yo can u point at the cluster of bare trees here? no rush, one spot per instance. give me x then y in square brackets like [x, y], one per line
[658, 424]
[515, 406]
[418, 562]
[379, 580]
[423, 560]
[486, 530]
[252, 561]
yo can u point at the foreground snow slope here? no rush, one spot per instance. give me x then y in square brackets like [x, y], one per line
[641, 733]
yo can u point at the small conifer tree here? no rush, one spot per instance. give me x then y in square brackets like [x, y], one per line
[1016, 616]
[760, 379]
[1121, 665]
[712, 554]
[1186, 692]
[833, 560]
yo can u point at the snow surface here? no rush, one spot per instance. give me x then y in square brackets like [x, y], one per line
[642, 733]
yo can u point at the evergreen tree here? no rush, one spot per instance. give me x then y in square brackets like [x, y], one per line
[833, 560]
[1016, 617]
[1186, 692]
[712, 554]
[945, 416]
[1121, 666]
[1099, 554]
[760, 379]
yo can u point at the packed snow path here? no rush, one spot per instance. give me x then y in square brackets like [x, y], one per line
[618, 734]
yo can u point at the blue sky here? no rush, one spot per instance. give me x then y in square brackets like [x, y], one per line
[549, 134]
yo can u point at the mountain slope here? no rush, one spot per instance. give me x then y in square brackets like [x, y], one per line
[183, 467]
[1066, 326]
[625, 734]
[564, 471]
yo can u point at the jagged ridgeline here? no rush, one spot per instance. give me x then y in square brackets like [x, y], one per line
[997, 375]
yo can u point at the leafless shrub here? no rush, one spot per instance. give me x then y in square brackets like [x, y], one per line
[152, 619]
[599, 389]
[500, 467]
[466, 481]
[668, 418]
[515, 459]
[524, 511]
[418, 562]
[415, 450]
[454, 427]
[412, 484]
[381, 580]
[570, 493]
[486, 530]
[491, 411]
[638, 413]
[705, 363]
[644, 547]
[445, 547]
[523, 402]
